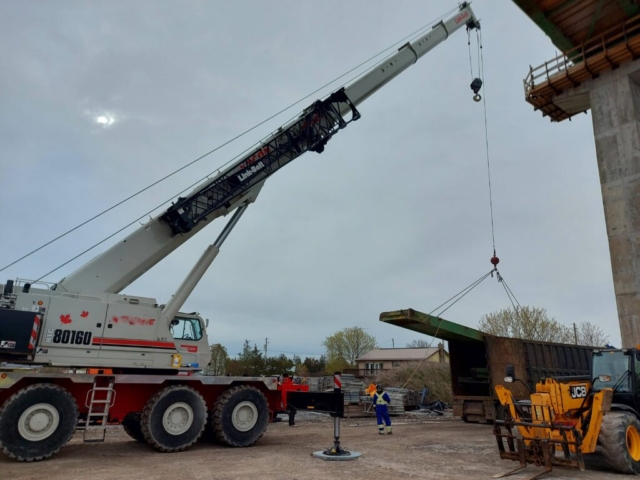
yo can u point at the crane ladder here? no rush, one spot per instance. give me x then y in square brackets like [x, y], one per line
[99, 400]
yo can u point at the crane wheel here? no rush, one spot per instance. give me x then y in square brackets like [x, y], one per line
[240, 416]
[620, 441]
[132, 426]
[37, 421]
[174, 419]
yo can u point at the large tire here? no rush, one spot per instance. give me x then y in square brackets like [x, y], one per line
[37, 421]
[240, 416]
[620, 441]
[174, 419]
[132, 426]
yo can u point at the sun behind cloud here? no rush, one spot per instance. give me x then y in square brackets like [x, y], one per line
[105, 120]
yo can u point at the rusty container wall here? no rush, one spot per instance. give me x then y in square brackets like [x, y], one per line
[477, 367]
[534, 361]
[501, 352]
[555, 360]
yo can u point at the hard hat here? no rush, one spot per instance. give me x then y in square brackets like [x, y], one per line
[379, 386]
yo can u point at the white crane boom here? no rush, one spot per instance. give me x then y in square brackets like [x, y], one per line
[240, 183]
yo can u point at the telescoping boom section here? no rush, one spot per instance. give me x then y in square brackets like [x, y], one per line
[241, 181]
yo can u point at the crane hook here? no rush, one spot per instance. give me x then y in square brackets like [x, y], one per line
[476, 85]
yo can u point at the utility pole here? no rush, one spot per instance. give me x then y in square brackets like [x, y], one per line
[266, 343]
[393, 344]
[575, 333]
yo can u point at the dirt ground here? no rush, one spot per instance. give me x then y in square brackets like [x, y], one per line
[430, 448]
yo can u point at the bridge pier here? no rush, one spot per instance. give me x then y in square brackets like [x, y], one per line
[614, 99]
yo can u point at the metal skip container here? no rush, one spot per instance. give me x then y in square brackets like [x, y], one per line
[477, 361]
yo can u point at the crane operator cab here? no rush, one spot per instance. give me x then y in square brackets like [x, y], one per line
[186, 328]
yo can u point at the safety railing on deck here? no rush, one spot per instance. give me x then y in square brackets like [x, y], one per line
[584, 62]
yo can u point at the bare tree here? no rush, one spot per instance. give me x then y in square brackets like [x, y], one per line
[529, 323]
[419, 343]
[591, 335]
[347, 345]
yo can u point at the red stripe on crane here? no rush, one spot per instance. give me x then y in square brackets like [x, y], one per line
[127, 342]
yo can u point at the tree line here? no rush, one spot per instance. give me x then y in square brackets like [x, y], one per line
[531, 323]
[252, 362]
[345, 346]
[342, 350]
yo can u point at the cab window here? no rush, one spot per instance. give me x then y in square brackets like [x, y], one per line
[614, 367]
[183, 328]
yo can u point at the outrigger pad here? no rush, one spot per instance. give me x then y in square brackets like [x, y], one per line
[341, 457]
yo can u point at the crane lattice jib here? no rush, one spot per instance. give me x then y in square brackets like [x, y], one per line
[310, 132]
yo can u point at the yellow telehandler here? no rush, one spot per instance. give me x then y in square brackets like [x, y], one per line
[567, 417]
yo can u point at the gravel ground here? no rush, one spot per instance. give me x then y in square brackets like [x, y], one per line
[430, 448]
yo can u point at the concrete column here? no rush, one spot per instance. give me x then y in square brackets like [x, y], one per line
[615, 110]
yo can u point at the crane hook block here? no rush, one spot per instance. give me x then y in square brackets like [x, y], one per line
[476, 85]
[495, 261]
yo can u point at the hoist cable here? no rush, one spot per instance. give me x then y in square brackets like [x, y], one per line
[512, 294]
[460, 294]
[518, 309]
[486, 135]
[504, 285]
[464, 291]
[416, 32]
[470, 61]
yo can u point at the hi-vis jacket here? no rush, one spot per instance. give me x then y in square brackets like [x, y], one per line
[381, 399]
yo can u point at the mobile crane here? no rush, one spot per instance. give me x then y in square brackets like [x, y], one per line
[148, 352]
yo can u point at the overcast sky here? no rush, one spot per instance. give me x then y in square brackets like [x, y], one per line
[394, 214]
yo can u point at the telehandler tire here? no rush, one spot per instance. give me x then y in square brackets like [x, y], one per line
[132, 426]
[620, 441]
[240, 416]
[37, 421]
[174, 418]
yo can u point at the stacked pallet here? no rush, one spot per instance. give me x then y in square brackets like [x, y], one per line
[320, 384]
[401, 399]
[352, 388]
[396, 406]
[408, 398]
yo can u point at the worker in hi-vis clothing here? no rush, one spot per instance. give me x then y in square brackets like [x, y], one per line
[381, 402]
